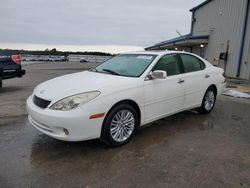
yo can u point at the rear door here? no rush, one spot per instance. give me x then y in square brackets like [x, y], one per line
[196, 80]
[164, 96]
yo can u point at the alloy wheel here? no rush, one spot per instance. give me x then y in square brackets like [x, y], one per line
[209, 100]
[122, 125]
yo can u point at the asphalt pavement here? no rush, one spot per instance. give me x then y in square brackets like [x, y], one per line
[184, 150]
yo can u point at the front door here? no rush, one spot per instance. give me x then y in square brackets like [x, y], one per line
[164, 96]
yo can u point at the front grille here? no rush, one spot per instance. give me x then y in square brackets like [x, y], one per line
[41, 102]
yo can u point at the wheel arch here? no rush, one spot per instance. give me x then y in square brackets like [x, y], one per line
[201, 109]
[125, 101]
[213, 86]
[130, 102]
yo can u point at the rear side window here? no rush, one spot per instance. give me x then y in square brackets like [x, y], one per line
[168, 63]
[192, 63]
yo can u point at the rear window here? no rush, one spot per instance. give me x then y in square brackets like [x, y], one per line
[192, 63]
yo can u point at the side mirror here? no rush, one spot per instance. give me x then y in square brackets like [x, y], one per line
[159, 74]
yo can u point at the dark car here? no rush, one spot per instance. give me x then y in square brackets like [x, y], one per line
[83, 61]
[10, 65]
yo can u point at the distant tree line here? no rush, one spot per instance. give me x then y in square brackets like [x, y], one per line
[55, 52]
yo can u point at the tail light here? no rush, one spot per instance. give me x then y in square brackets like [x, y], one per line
[16, 59]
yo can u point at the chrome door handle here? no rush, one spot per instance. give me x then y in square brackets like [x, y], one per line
[207, 76]
[181, 81]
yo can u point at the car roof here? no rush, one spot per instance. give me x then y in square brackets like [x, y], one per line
[162, 52]
[165, 52]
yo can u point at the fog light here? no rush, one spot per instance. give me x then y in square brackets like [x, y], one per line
[66, 131]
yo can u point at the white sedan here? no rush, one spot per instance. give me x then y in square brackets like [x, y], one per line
[127, 91]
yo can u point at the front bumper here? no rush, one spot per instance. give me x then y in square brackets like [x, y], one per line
[53, 123]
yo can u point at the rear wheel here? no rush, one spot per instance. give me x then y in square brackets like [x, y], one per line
[208, 101]
[119, 125]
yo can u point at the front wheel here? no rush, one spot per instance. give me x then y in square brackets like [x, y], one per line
[119, 125]
[208, 101]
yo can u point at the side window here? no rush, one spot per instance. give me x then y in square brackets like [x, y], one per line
[191, 63]
[168, 63]
[203, 66]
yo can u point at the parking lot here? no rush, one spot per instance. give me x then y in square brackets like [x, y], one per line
[184, 150]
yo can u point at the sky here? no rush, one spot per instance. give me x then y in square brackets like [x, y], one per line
[92, 25]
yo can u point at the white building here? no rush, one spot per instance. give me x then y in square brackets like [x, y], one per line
[216, 25]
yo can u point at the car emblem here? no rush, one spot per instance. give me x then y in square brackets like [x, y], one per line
[42, 91]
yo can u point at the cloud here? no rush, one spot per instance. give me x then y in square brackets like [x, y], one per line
[93, 22]
[73, 48]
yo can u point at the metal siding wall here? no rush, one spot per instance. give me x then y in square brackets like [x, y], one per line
[222, 20]
[245, 65]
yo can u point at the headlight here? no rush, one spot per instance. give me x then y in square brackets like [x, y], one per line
[74, 101]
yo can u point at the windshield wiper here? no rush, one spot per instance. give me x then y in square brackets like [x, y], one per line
[112, 72]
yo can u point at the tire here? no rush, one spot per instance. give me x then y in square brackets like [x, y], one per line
[208, 101]
[119, 125]
[1, 83]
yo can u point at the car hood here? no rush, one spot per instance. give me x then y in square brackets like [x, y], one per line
[72, 84]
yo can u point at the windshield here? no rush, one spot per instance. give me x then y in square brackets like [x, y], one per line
[132, 65]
